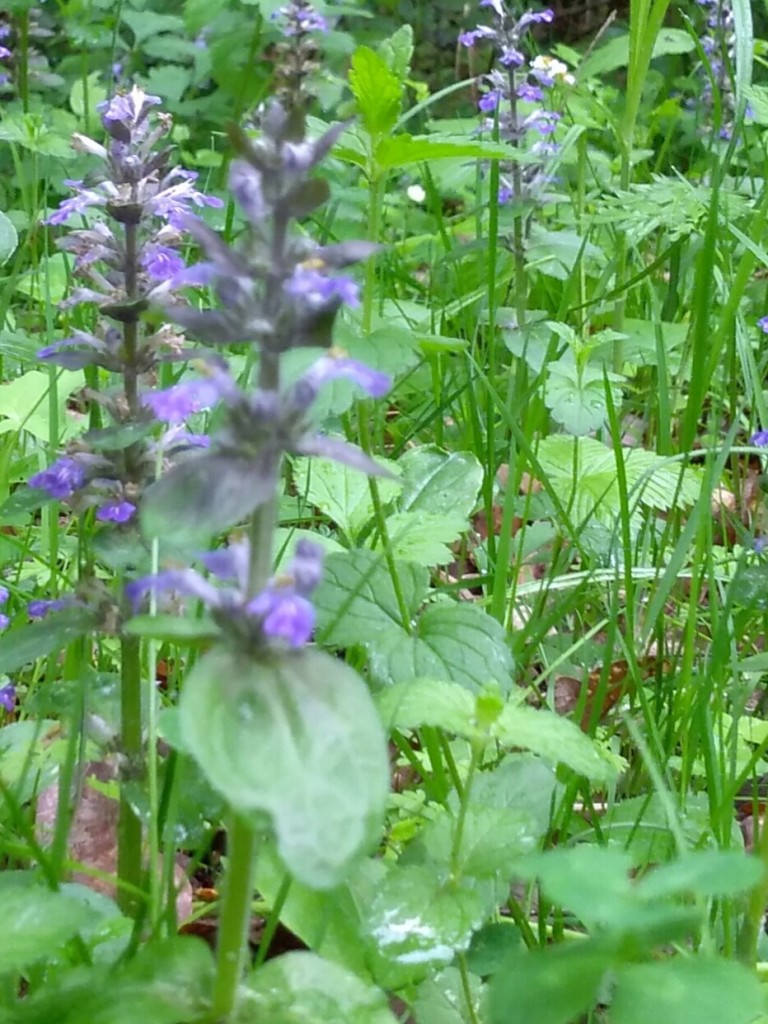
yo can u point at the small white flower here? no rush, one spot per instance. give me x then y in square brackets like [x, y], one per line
[416, 193]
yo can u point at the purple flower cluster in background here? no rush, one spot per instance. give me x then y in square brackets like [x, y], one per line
[4, 619]
[6, 55]
[281, 612]
[719, 44]
[515, 85]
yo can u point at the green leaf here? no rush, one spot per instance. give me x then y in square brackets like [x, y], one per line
[378, 91]
[206, 494]
[705, 873]
[442, 999]
[147, 23]
[440, 483]
[556, 739]
[418, 918]
[356, 600]
[582, 472]
[420, 702]
[459, 642]
[39, 921]
[492, 839]
[298, 737]
[172, 629]
[696, 990]
[551, 986]
[39, 639]
[31, 754]
[356, 604]
[402, 150]
[492, 946]
[615, 54]
[9, 239]
[342, 493]
[390, 349]
[24, 403]
[425, 538]
[397, 51]
[576, 397]
[301, 987]
[97, 93]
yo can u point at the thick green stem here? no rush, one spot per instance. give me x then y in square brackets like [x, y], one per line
[129, 854]
[235, 917]
[241, 841]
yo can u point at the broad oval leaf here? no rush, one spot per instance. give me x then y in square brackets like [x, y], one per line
[9, 239]
[295, 736]
[302, 987]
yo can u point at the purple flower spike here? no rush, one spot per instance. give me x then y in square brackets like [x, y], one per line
[8, 697]
[762, 323]
[61, 479]
[317, 290]
[332, 367]
[116, 512]
[759, 438]
[4, 595]
[285, 615]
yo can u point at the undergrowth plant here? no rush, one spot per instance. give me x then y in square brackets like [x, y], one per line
[394, 620]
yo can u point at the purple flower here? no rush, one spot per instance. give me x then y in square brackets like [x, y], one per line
[529, 93]
[77, 339]
[39, 608]
[284, 614]
[5, 53]
[129, 109]
[175, 404]
[4, 595]
[511, 57]
[115, 511]
[82, 200]
[329, 368]
[161, 262]
[497, 6]
[542, 121]
[317, 290]
[481, 32]
[8, 697]
[504, 195]
[4, 621]
[173, 202]
[536, 18]
[759, 438]
[762, 323]
[490, 101]
[61, 479]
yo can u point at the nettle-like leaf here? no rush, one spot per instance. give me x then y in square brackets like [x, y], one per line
[378, 91]
[356, 605]
[452, 707]
[417, 917]
[582, 471]
[342, 493]
[301, 987]
[296, 737]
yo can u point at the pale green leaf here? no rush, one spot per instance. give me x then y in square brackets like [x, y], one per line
[556, 739]
[9, 239]
[439, 482]
[301, 987]
[422, 537]
[295, 736]
[342, 493]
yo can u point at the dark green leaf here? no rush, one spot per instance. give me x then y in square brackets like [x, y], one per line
[696, 990]
[206, 494]
[39, 639]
